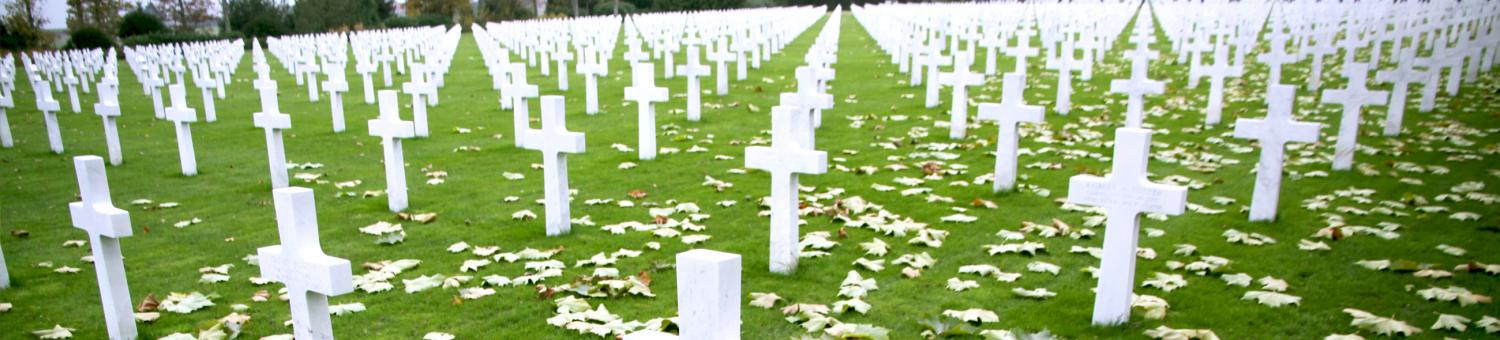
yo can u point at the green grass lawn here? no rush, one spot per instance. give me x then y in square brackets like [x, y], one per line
[231, 195]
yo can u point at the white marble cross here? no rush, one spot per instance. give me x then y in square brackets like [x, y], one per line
[1022, 50]
[1124, 194]
[933, 59]
[692, 70]
[960, 79]
[108, 109]
[1273, 132]
[365, 69]
[555, 142]
[1011, 110]
[71, 80]
[785, 159]
[4, 273]
[644, 92]
[1216, 74]
[519, 90]
[273, 121]
[1400, 78]
[419, 88]
[106, 225]
[49, 108]
[6, 102]
[1276, 57]
[153, 83]
[562, 56]
[310, 276]
[708, 298]
[1137, 86]
[1065, 65]
[1353, 97]
[721, 55]
[335, 86]
[182, 116]
[309, 71]
[591, 67]
[203, 79]
[391, 130]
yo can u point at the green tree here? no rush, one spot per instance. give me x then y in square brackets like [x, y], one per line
[502, 10]
[258, 18]
[101, 14]
[187, 15]
[324, 15]
[139, 22]
[456, 9]
[22, 27]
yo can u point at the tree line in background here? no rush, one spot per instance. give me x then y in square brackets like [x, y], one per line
[100, 23]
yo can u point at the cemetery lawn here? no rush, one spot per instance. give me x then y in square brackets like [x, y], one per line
[231, 197]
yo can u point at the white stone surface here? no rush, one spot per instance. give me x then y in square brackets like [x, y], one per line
[106, 225]
[299, 263]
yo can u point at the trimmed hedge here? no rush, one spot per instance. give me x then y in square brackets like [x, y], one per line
[138, 22]
[167, 38]
[418, 21]
[89, 37]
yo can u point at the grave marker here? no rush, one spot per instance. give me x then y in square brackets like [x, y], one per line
[391, 130]
[1011, 110]
[1273, 132]
[555, 142]
[182, 116]
[644, 92]
[299, 263]
[785, 159]
[1124, 194]
[106, 225]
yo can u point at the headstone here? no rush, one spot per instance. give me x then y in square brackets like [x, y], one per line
[4, 273]
[1137, 86]
[418, 88]
[205, 83]
[1216, 74]
[555, 142]
[519, 90]
[591, 67]
[71, 81]
[335, 86]
[1353, 97]
[299, 263]
[365, 69]
[1273, 132]
[273, 121]
[1276, 57]
[1400, 78]
[785, 159]
[1011, 110]
[1022, 50]
[181, 116]
[7, 102]
[708, 298]
[108, 110]
[1123, 194]
[933, 60]
[49, 108]
[391, 130]
[960, 79]
[721, 55]
[562, 56]
[153, 83]
[106, 225]
[644, 92]
[309, 70]
[692, 70]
